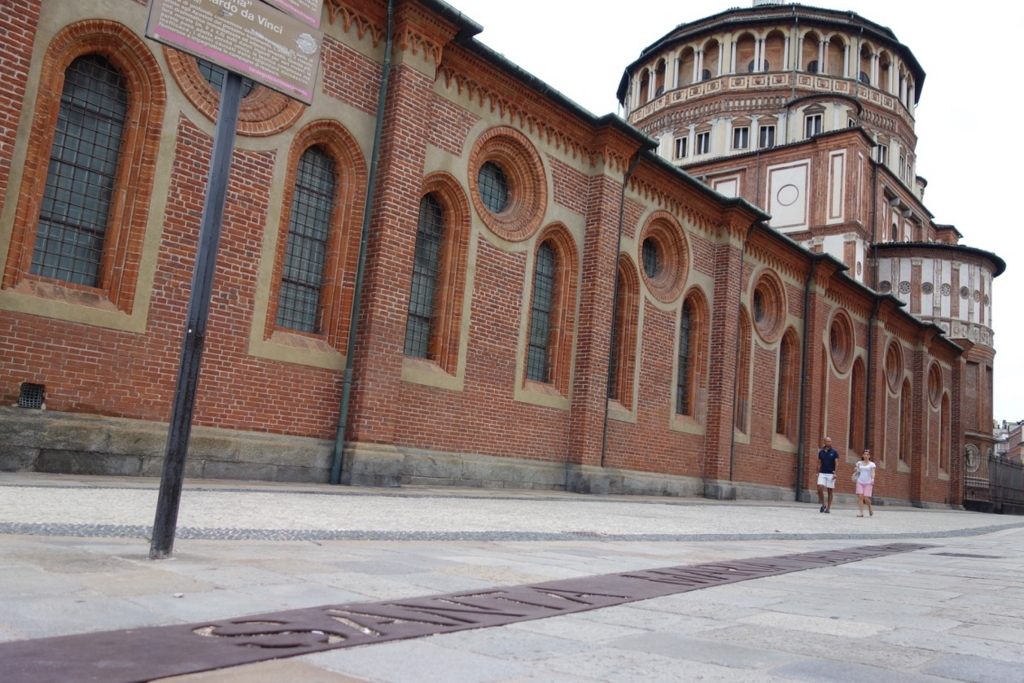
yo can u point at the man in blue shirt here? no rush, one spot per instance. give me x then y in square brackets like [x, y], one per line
[827, 458]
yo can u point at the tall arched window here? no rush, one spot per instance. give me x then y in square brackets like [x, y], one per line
[419, 327]
[88, 174]
[690, 377]
[944, 426]
[906, 438]
[857, 406]
[785, 417]
[75, 210]
[551, 325]
[684, 378]
[538, 365]
[623, 353]
[743, 374]
[299, 304]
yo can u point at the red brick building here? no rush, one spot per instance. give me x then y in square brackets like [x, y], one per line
[547, 303]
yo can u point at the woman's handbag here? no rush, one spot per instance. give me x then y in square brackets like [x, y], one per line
[856, 474]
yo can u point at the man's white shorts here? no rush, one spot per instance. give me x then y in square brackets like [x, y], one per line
[827, 480]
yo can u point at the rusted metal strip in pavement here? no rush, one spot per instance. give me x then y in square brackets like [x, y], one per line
[145, 654]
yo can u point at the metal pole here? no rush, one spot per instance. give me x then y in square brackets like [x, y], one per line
[198, 310]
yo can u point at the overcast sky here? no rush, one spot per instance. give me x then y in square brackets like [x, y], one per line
[970, 137]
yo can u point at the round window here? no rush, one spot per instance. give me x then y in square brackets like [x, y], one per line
[494, 188]
[768, 305]
[841, 341]
[935, 384]
[664, 257]
[894, 365]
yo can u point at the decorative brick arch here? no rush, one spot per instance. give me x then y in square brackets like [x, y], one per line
[563, 316]
[337, 287]
[264, 112]
[129, 208]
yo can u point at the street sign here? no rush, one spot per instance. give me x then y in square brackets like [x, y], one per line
[307, 11]
[248, 37]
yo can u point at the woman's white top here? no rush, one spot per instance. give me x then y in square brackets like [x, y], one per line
[864, 473]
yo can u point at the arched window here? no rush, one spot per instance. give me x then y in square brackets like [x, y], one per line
[857, 406]
[684, 377]
[551, 325]
[419, 328]
[836, 57]
[686, 66]
[809, 53]
[786, 399]
[906, 438]
[645, 84]
[944, 428]
[433, 323]
[623, 353]
[299, 304]
[691, 383]
[87, 177]
[712, 59]
[84, 157]
[743, 374]
[538, 364]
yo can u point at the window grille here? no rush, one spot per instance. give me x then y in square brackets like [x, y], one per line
[31, 396]
[617, 343]
[683, 379]
[760, 310]
[538, 365]
[493, 186]
[83, 168]
[215, 76]
[651, 258]
[426, 267]
[298, 306]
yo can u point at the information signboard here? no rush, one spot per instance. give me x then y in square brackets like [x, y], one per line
[307, 11]
[248, 37]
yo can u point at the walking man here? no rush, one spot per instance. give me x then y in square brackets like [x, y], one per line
[827, 459]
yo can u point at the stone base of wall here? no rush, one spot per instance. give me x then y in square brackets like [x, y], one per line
[65, 443]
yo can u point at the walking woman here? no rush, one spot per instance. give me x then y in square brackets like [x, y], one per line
[865, 482]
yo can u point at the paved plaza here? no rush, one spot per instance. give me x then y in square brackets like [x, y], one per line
[74, 560]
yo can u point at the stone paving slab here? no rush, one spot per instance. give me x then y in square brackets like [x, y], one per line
[920, 616]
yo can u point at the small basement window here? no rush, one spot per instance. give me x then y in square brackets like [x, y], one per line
[31, 396]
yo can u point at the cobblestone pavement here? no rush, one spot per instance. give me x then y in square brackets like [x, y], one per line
[73, 559]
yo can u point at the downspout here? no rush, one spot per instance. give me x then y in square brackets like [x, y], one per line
[802, 417]
[878, 303]
[353, 325]
[736, 361]
[615, 301]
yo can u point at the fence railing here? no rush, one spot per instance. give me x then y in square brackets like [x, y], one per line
[1006, 484]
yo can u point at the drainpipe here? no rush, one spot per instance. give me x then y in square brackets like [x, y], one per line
[878, 303]
[615, 301]
[801, 419]
[353, 325]
[736, 362]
